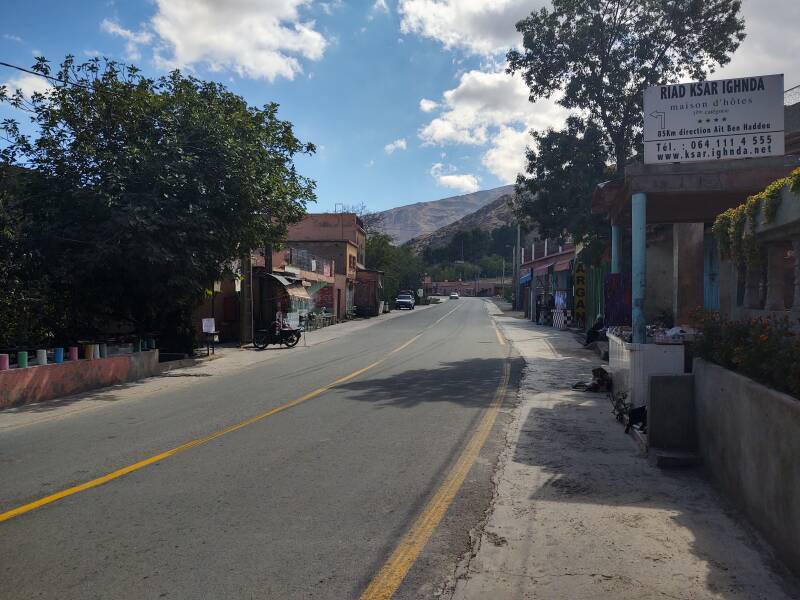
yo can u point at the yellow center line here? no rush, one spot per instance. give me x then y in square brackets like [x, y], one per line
[20, 510]
[498, 334]
[388, 579]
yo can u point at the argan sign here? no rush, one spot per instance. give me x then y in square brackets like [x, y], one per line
[714, 120]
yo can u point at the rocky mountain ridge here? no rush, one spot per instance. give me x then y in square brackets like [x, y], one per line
[411, 221]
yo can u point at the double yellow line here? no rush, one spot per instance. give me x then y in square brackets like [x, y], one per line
[71, 491]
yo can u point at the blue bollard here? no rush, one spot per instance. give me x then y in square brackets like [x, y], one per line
[58, 355]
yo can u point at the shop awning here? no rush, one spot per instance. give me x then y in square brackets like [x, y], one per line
[298, 292]
[563, 265]
[525, 279]
[542, 270]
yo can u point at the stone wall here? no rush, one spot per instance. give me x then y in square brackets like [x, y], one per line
[45, 382]
[749, 440]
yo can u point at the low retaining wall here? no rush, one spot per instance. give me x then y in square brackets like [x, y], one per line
[45, 382]
[749, 439]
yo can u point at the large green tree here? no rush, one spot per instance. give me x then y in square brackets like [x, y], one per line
[598, 56]
[564, 166]
[402, 268]
[136, 193]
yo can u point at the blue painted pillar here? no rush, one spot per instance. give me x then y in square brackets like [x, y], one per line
[615, 232]
[639, 264]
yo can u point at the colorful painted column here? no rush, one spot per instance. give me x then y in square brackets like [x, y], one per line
[615, 237]
[639, 264]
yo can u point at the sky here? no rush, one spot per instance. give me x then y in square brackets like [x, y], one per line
[406, 100]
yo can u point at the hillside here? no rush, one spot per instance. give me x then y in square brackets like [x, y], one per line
[413, 220]
[487, 218]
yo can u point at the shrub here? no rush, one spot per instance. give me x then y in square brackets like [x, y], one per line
[764, 349]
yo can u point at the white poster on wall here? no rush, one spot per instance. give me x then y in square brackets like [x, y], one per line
[714, 120]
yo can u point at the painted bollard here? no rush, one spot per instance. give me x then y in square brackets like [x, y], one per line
[73, 353]
[41, 357]
[58, 355]
[4, 362]
[103, 350]
[22, 359]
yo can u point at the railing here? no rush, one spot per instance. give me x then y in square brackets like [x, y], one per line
[305, 260]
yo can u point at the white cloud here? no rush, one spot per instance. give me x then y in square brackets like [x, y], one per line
[445, 176]
[28, 84]
[12, 38]
[772, 44]
[258, 40]
[330, 7]
[370, 163]
[380, 6]
[477, 26]
[427, 106]
[491, 108]
[399, 144]
[133, 39]
[506, 158]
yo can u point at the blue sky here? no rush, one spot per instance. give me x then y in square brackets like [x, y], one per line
[406, 100]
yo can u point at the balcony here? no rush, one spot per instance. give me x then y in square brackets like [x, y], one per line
[303, 264]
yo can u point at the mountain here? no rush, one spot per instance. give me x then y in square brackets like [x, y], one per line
[487, 218]
[406, 222]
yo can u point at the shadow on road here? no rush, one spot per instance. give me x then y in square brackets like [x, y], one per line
[470, 383]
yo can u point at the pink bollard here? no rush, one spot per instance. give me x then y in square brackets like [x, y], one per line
[3, 362]
[73, 353]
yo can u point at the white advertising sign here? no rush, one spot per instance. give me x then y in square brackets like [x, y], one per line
[209, 326]
[714, 120]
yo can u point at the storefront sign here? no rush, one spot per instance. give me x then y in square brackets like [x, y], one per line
[580, 293]
[714, 120]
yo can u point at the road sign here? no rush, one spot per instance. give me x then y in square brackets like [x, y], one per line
[420, 291]
[714, 120]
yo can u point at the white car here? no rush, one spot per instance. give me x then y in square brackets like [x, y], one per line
[454, 296]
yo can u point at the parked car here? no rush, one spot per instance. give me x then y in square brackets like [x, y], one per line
[454, 296]
[404, 301]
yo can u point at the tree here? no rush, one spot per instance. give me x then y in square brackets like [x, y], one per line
[400, 265]
[602, 54]
[137, 193]
[564, 169]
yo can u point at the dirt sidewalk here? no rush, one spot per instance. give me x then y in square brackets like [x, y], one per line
[579, 513]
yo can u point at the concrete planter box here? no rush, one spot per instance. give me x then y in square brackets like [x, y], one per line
[631, 366]
[46, 382]
[749, 440]
[786, 222]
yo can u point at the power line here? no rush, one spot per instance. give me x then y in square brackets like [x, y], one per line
[50, 77]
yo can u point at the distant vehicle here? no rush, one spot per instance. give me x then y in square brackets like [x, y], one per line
[404, 301]
[454, 296]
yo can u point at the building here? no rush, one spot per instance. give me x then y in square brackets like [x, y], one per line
[339, 237]
[663, 252]
[483, 287]
[369, 295]
[546, 283]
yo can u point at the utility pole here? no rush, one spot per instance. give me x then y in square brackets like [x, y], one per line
[517, 268]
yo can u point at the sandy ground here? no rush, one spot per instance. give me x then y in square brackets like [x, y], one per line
[580, 513]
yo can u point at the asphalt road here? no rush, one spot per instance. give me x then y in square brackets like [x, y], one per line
[308, 502]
